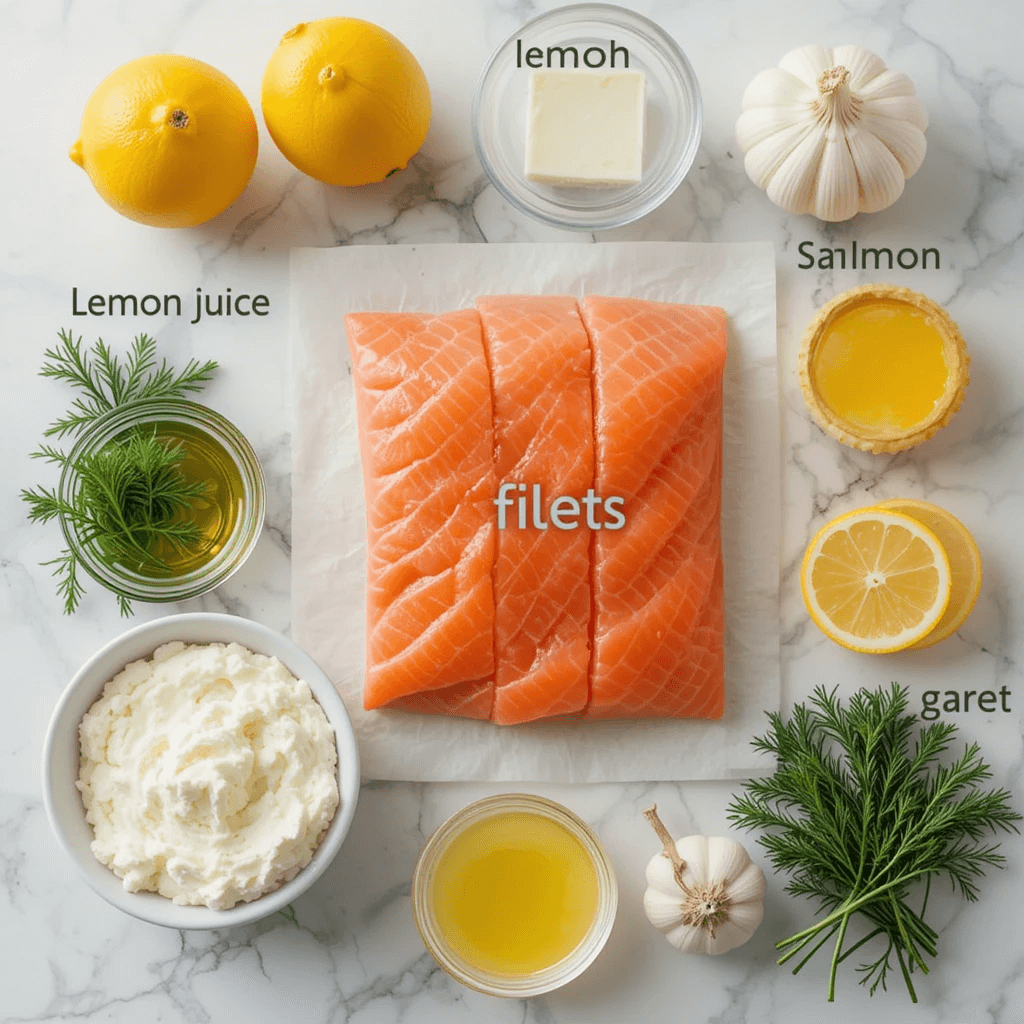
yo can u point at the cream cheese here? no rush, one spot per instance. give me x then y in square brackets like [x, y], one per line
[208, 774]
[585, 127]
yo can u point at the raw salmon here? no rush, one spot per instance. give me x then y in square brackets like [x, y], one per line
[539, 360]
[658, 629]
[423, 399]
[619, 395]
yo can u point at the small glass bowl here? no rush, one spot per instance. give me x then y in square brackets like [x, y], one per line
[128, 583]
[674, 117]
[518, 986]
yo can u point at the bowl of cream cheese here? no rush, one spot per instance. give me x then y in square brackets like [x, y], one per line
[201, 771]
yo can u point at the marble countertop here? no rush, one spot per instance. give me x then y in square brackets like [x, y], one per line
[347, 951]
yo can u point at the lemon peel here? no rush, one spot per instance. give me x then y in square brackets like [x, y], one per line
[168, 141]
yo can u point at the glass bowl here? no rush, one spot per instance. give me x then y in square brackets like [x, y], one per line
[222, 437]
[673, 113]
[519, 986]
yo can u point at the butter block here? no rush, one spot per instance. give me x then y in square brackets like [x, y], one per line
[585, 127]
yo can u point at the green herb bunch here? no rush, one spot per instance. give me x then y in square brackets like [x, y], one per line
[861, 812]
[129, 493]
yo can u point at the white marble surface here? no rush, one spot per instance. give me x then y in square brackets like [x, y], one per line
[349, 952]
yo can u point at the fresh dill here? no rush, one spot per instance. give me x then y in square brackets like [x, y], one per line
[105, 384]
[861, 812]
[129, 494]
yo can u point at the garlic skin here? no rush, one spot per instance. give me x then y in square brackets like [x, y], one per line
[725, 899]
[831, 132]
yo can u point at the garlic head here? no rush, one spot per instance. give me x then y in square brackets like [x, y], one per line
[831, 132]
[703, 892]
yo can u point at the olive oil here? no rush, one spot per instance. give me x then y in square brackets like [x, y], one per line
[514, 893]
[215, 513]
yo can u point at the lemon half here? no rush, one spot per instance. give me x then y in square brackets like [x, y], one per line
[876, 580]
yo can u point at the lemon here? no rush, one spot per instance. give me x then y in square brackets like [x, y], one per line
[964, 562]
[876, 580]
[168, 141]
[345, 101]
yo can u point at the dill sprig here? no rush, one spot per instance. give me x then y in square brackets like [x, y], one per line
[106, 384]
[130, 494]
[861, 811]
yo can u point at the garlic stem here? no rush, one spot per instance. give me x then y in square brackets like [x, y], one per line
[835, 101]
[832, 79]
[669, 846]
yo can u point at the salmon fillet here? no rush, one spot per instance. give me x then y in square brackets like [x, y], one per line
[539, 360]
[463, 700]
[423, 400]
[619, 395]
[658, 628]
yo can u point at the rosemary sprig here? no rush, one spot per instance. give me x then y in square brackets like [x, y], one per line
[129, 494]
[860, 811]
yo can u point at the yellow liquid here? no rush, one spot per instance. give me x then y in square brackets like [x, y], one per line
[215, 513]
[514, 893]
[881, 364]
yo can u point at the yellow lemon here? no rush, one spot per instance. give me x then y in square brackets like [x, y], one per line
[876, 580]
[168, 141]
[964, 562]
[345, 101]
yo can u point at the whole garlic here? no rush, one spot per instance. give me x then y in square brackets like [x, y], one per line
[703, 892]
[831, 132]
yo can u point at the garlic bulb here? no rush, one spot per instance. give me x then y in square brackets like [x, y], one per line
[703, 892]
[831, 132]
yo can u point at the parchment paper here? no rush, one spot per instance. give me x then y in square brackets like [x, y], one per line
[328, 524]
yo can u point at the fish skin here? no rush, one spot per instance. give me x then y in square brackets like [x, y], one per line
[538, 354]
[425, 422]
[658, 629]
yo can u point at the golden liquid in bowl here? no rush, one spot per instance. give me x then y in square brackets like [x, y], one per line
[215, 513]
[881, 364]
[514, 893]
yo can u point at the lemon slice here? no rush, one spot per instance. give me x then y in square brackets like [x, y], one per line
[964, 562]
[876, 580]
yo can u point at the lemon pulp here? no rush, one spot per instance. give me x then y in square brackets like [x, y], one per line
[854, 565]
[514, 893]
[876, 580]
[881, 364]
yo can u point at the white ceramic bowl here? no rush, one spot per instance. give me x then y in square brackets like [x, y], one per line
[61, 762]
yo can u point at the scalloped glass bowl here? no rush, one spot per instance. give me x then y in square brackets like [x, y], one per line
[674, 117]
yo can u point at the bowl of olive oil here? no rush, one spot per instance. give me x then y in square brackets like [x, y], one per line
[514, 895]
[176, 500]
